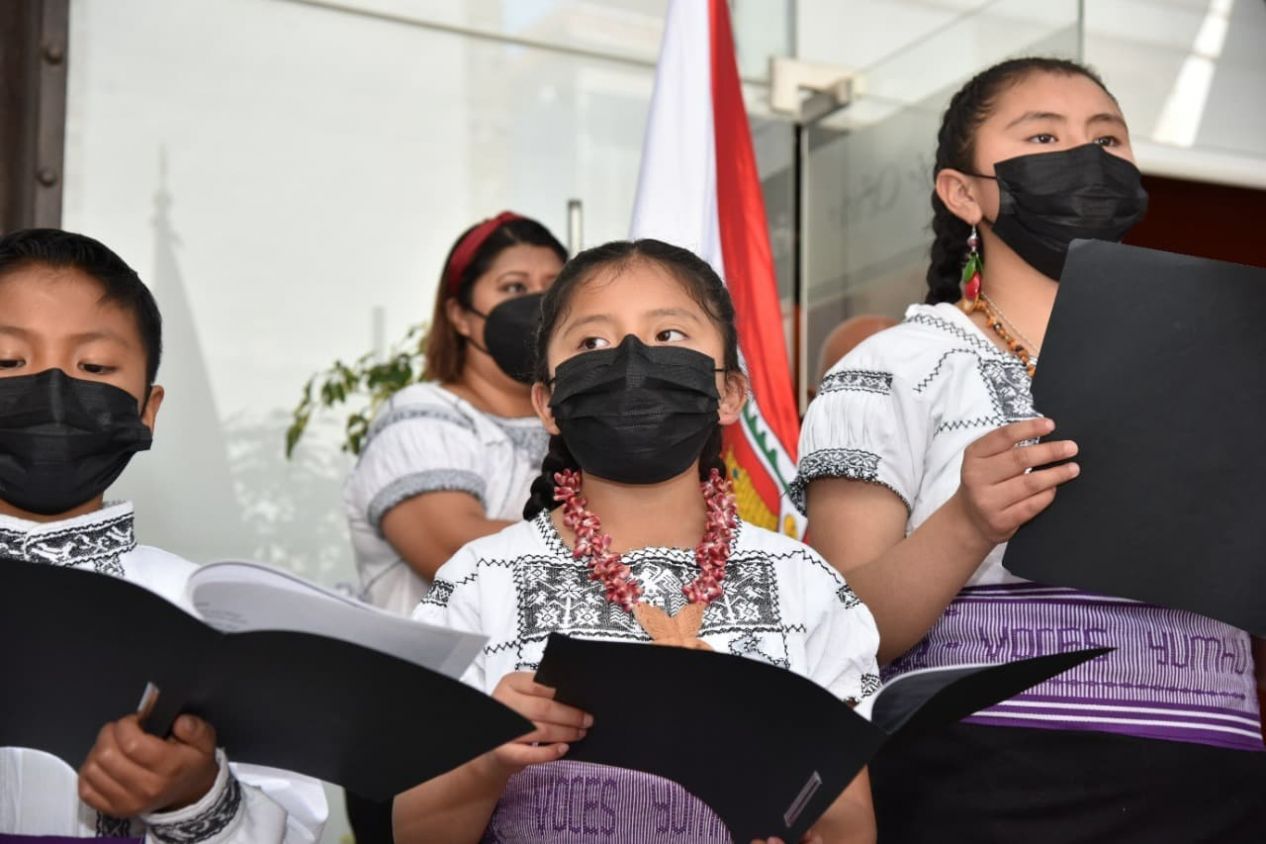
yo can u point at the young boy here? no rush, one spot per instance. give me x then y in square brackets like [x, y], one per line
[80, 341]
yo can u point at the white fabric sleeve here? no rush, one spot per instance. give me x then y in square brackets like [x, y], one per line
[863, 425]
[842, 639]
[454, 601]
[412, 451]
[263, 806]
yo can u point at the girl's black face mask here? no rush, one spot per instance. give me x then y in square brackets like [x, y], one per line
[510, 335]
[636, 414]
[1047, 200]
[64, 440]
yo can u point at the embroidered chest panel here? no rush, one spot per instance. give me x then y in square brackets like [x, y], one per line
[556, 595]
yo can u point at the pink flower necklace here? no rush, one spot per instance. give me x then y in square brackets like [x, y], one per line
[712, 552]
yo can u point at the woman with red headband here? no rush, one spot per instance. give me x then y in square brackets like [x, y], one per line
[453, 458]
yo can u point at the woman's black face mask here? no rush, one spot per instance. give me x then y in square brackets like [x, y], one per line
[636, 414]
[510, 335]
[1047, 200]
[64, 440]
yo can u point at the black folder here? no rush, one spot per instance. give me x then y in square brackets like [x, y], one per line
[1155, 364]
[767, 749]
[77, 649]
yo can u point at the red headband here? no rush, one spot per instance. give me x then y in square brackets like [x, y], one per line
[466, 248]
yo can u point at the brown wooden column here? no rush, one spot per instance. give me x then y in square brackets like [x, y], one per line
[33, 56]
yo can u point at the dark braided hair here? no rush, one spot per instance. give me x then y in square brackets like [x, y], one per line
[699, 280]
[955, 150]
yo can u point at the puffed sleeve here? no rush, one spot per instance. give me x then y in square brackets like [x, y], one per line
[414, 449]
[863, 425]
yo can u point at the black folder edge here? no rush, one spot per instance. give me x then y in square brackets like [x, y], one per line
[113, 589]
[1081, 254]
[947, 695]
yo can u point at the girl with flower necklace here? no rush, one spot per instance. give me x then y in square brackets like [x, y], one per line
[637, 370]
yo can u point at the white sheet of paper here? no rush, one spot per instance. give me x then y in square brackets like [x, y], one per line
[235, 597]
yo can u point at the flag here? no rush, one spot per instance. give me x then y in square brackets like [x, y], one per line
[699, 188]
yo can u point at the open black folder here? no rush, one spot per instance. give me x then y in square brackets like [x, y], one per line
[80, 647]
[1155, 364]
[767, 749]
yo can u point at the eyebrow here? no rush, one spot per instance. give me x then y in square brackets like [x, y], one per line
[1029, 116]
[1107, 117]
[674, 312]
[681, 313]
[89, 336]
[1102, 117]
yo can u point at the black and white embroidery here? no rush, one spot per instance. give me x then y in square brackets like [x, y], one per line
[857, 380]
[870, 684]
[749, 645]
[439, 593]
[416, 483]
[847, 597]
[96, 545]
[205, 825]
[1009, 388]
[556, 594]
[855, 464]
[109, 826]
[971, 338]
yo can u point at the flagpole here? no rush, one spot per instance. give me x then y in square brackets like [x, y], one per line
[800, 276]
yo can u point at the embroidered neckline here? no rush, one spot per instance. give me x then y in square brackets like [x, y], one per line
[94, 540]
[711, 554]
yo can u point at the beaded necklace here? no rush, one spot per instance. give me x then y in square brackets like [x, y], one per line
[711, 554]
[998, 323]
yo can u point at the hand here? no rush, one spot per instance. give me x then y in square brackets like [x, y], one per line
[998, 491]
[130, 772]
[556, 723]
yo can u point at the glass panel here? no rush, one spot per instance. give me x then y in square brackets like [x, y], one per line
[290, 210]
[1184, 71]
[625, 28]
[868, 177]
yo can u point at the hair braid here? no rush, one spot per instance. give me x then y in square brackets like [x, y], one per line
[556, 460]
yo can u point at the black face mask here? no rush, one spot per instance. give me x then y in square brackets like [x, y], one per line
[64, 440]
[636, 414]
[1047, 200]
[510, 335]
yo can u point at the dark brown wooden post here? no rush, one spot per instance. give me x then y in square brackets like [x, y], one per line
[33, 56]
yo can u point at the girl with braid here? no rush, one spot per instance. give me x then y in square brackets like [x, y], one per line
[913, 482]
[631, 535]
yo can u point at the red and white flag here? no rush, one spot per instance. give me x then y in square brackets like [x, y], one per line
[699, 189]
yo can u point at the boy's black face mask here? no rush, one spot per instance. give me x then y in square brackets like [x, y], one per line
[1047, 200]
[64, 440]
[636, 414]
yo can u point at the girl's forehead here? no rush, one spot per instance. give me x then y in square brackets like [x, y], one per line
[631, 287]
[1069, 95]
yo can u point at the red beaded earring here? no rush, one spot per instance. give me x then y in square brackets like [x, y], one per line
[971, 274]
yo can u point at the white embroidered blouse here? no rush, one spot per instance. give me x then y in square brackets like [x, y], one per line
[426, 439]
[782, 604]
